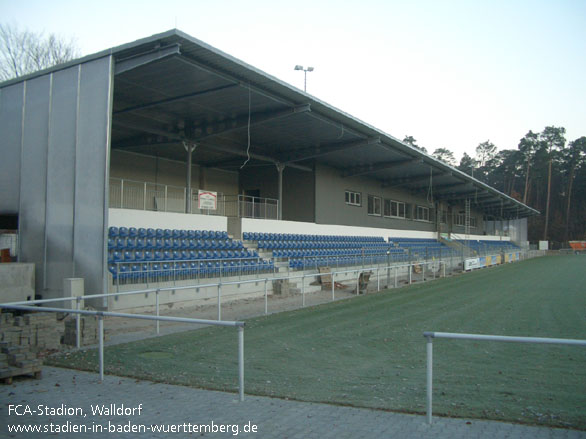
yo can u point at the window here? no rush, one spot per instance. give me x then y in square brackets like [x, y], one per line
[374, 205]
[353, 198]
[394, 209]
[460, 220]
[422, 213]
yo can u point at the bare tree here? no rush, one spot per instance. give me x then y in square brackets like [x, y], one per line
[23, 52]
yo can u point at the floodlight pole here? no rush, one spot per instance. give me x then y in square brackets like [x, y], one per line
[305, 70]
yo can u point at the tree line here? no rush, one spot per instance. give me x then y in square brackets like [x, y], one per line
[545, 172]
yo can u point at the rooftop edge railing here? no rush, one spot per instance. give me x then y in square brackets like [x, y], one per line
[479, 337]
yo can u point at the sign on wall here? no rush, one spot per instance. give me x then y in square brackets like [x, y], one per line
[471, 264]
[207, 200]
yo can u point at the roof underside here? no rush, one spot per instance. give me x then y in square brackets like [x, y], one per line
[171, 89]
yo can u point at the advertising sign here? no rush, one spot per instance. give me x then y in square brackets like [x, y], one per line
[207, 200]
[471, 264]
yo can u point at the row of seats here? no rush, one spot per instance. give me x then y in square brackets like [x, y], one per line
[173, 244]
[339, 253]
[145, 272]
[279, 245]
[314, 263]
[489, 245]
[260, 236]
[139, 255]
[412, 239]
[133, 232]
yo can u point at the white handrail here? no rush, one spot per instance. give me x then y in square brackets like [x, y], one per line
[101, 314]
[480, 337]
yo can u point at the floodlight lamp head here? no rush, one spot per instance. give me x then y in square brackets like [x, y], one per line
[298, 67]
[310, 69]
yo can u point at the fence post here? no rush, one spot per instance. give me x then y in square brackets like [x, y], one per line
[429, 377]
[241, 362]
[144, 196]
[333, 287]
[410, 268]
[219, 301]
[395, 271]
[101, 345]
[266, 298]
[303, 291]
[378, 279]
[157, 307]
[78, 323]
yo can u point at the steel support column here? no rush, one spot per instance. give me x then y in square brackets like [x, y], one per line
[280, 168]
[189, 148]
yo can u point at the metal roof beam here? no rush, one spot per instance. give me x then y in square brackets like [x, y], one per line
[449, 186]
[243, 153]
[369, 169]
[322, 150]
[243, 121]
[174, 99]
[406, 180]
[199, 133]
[137, 142]
[233, 80]
[467, 195]
[133, 62]
[339, 125]
[179, 137]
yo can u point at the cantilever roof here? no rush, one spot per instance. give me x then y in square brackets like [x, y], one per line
[170, 88]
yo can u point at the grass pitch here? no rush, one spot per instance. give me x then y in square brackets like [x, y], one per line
[370, 352]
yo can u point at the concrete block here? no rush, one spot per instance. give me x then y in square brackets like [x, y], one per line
[73, 287]
[17, 282]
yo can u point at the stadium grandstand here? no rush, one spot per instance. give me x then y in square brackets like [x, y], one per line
[166, 161]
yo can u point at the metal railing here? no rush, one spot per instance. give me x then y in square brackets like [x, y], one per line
[479, 337]
[434, 269]
[245, 206]
[155, 272]
[25, 306]
[130, 194]
[141, 195]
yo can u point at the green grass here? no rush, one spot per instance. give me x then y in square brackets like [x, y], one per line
[370, 352]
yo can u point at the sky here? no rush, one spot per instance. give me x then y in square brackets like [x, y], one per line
[452, 74]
